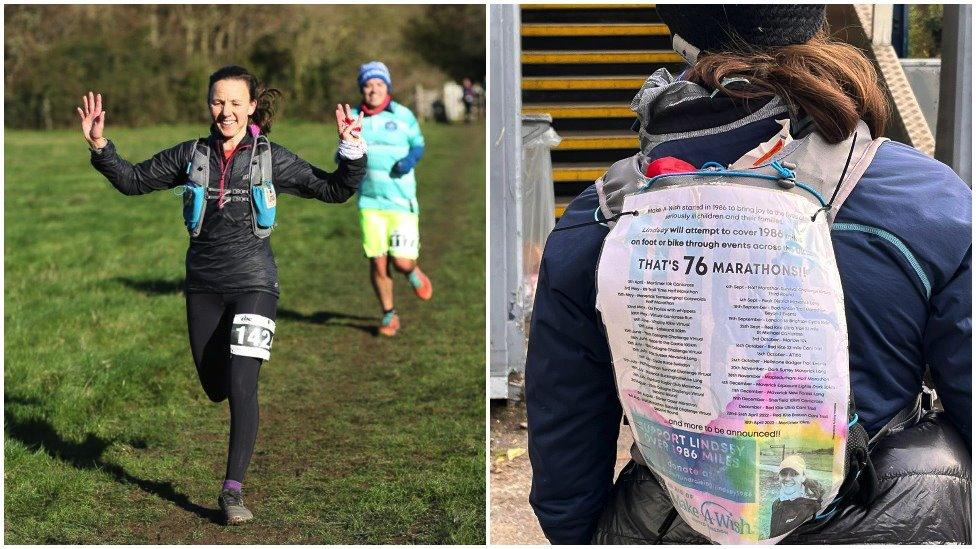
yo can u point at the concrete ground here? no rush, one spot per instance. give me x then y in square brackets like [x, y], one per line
[512, 519]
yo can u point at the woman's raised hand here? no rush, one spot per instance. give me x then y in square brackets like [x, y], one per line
[350, 129]
[92, 120]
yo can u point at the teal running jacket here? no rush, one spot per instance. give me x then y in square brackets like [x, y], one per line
[390, 136]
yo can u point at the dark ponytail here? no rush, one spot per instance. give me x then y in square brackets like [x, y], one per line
[267, 98]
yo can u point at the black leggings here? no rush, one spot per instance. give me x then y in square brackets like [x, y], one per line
[224, 375]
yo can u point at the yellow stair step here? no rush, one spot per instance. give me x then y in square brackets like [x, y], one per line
[604, 56]
[583, 82]
[597, 140]
[584, 6]
[578, 172]
[581, 110]
[594, 29]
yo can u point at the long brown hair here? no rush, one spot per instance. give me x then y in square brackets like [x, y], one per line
[832, 82]
[267, 98]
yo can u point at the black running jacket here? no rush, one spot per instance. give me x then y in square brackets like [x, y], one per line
[227, 257]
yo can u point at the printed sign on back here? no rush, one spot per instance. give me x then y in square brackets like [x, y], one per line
[724, 312]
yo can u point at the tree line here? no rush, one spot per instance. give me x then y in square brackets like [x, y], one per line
[151, 62]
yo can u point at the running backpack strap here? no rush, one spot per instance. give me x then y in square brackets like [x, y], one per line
[263, 196]
[195, 189]
[821, 165]
[854, 174]
[861, 480]
[861, 486]
[835, 169]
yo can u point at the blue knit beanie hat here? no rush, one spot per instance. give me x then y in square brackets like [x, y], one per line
[374, 69]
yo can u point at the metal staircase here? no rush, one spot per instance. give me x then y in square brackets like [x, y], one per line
[582, 64]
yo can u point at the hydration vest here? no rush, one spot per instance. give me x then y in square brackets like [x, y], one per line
[724, 313]
[262, 192]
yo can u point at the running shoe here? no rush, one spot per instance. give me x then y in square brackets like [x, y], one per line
[390, 325]
[421, 284]
[232, 504]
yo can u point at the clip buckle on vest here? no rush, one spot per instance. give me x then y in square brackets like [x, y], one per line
[787, 177]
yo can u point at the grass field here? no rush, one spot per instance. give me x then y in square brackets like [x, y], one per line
[110, 439]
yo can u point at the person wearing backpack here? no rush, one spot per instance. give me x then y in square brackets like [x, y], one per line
[902, 242]
[388, 209]
[231, 179]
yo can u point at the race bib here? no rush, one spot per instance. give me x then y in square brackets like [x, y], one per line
[400, 240]
[724, 312]
[251, 335]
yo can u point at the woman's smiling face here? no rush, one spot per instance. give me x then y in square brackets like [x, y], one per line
[787, 477]
[230, 106]
[374, 92]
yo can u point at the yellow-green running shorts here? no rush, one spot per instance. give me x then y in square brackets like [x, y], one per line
[388, 232]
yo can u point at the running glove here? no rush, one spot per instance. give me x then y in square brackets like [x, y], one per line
[405, 164]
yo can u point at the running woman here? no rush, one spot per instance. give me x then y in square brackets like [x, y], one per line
[231, 276]
[388, 208]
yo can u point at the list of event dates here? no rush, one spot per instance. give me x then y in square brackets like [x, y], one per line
[762, 345]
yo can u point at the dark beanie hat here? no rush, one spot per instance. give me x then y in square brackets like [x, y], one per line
[716, 27]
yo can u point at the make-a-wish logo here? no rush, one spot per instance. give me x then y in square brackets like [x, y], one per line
[720, 519]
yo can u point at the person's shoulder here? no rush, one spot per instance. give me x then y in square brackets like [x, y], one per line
[897, 154]
[401, 111]
[575, 243]
[913, 196]
[280, 152]
[189, 144]
[184, 149]
[581, 209]
[905, 173]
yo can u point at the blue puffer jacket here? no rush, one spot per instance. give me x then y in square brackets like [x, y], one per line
[904, 260]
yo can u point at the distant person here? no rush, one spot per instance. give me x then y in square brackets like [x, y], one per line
[799, 498]
[388, 208]
[468, 97]
[231, 177]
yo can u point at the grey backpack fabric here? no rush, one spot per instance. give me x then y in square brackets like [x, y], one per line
[815, 162]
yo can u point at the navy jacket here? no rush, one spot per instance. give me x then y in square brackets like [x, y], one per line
[904, 261]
